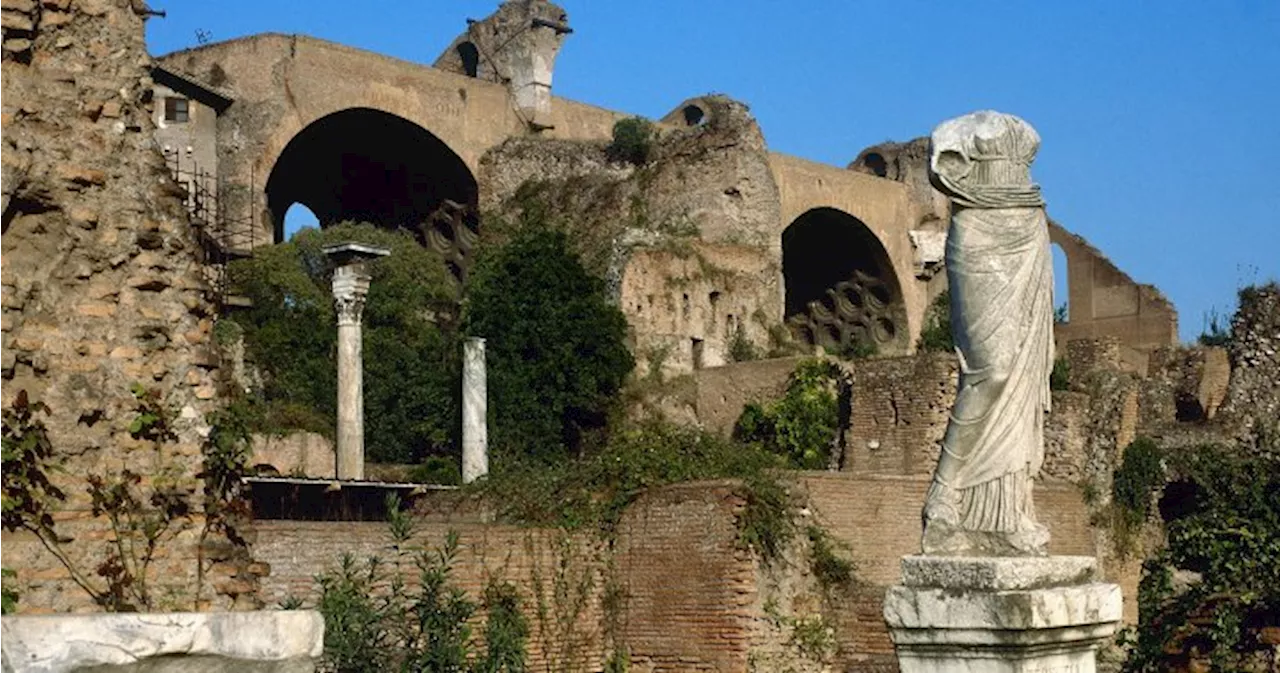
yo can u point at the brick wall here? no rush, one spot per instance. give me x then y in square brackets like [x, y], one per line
[898, 413]
[690, 599]
[689, 590]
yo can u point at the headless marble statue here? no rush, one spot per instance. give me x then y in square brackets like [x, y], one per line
[1001, 280]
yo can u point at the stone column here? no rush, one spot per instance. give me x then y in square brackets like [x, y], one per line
[475, 403]
[350, 286]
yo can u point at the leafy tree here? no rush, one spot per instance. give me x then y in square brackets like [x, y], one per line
[410, 358]
[555, 351]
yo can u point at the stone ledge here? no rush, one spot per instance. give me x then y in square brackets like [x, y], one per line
[998, 573]
[1053, 608]
[56, 643]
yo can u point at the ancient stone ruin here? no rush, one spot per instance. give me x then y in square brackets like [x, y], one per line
[129, 183]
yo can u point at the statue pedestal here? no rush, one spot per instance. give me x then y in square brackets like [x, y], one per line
[1000, 614]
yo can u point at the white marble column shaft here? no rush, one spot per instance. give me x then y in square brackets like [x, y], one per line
[350, 286]
[475, 404]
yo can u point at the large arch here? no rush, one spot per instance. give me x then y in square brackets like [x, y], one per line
[368, 165]
[841, 289]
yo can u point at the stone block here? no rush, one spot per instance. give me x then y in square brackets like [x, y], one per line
[1000, 573]
[1000, 614]
[53, 19]
[81, 175]
[15, 21]
[277, 641]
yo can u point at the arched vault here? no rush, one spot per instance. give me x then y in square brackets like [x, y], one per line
[841, 289]
[371, 166]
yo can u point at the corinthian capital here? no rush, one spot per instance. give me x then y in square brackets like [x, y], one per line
[350, 287]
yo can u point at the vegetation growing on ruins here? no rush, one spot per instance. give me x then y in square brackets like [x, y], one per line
[410, 387]
[555, 353]
[144, 515]
[1216, 585]
[935, 335]
[802, 426]
[376, 621]
[592, 491]
[633, 140]
[8, 594]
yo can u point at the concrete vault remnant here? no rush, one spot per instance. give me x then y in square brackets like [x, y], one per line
[515, 46]
[367, 165]
[841, 290]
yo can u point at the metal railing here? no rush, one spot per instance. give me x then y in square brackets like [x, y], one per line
[222, 236]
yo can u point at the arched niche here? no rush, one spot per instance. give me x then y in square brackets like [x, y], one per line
[841, 289]
[371, 166]
[1061, 283]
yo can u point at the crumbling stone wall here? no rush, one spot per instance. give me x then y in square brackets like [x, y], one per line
[1105, 301]
[1252, 405]
[686, 241]
[515, 46]
[101, 289]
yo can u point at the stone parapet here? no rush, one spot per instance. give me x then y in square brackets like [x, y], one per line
[279, 641]
[1000, 614]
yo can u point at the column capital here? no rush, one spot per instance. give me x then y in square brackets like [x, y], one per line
[350, 287]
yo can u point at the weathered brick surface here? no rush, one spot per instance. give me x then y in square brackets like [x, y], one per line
[690, 591]
[692, 600]
[101, 284]
[898, 413]
[298, 551]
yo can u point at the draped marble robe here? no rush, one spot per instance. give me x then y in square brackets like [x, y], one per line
[1000, 273]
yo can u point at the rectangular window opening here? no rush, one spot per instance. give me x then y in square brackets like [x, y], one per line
[176, 109]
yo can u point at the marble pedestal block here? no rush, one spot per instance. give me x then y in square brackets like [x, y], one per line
[1000, 614]
[274, 641]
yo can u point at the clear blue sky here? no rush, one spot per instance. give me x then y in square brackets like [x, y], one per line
[1160, 120]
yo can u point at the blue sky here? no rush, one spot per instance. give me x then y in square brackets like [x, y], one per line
[1160, 124]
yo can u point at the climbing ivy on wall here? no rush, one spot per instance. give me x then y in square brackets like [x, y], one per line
[1221, 510]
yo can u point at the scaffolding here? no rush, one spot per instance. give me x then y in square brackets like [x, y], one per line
[222, 236]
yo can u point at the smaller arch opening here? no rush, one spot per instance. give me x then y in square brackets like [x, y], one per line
[693, 115]
[297, 218]
[875, 161]
[470, 57]
[1061, 294]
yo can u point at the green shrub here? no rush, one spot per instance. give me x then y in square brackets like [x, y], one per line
[766, 524]
[830, 568]
[444, 470]
[633, 140]
[935, 336]
[375, 621]
[803, 425]
[741, 349]
[555, 345]
[506, 630]
[1217, 330]
[357, 637]
[8, 595]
